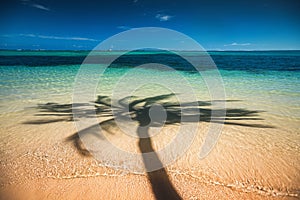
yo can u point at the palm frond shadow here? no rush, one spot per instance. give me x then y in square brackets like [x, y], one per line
[137, 109]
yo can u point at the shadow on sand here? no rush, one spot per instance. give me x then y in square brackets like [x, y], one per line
[138, 109]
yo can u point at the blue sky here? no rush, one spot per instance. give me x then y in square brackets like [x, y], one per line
[215, 24]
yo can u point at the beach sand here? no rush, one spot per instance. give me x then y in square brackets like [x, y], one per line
[37, 162]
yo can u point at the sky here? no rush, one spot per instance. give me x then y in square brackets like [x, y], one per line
[215, 24]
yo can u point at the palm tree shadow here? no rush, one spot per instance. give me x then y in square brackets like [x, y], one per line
[138, 109]
[162, 187]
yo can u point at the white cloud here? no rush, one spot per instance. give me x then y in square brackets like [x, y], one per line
[77, 46]
[27, 35]
[5, 35]
[123, 27]
[39, 6]
[58, 37]
[163, 17]
[237, 44]
[35, 5]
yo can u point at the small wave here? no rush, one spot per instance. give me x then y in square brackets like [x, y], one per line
[240, 186]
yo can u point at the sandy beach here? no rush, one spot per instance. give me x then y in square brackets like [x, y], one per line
[37, 162]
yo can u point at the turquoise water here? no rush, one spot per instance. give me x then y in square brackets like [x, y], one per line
[263, 79]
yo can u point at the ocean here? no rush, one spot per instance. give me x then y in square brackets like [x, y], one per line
[37, 76]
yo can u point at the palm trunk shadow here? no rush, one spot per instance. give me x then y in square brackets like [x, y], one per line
[160, 182]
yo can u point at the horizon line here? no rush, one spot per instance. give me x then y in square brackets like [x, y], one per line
[117, 50]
